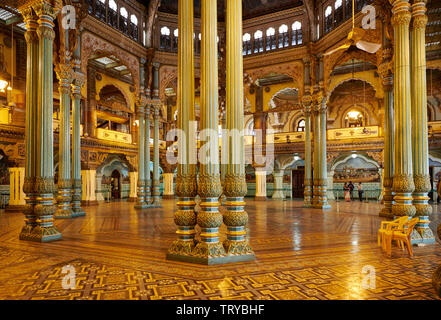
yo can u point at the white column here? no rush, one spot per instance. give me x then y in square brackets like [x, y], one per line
[278, 185]
[88, 186]
[133, 177]
[100, 195]
[168, 186]
[260, 185]
[330, 191]
[16, 180]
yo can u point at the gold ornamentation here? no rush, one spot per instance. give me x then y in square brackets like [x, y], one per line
[237, 247]
[399, 210]
[403, 183]
[235, 185]
[419, 22]
[209, 186]
[423, 210]
[235, 218]
[422, 183]
[401, 18]
[209, 250]
[207, 219]
[185, 218]
[186, 186]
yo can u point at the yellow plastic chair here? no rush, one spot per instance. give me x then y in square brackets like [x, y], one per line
[402, 235]
[398, 223]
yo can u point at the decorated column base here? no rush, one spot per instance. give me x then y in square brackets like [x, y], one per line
[64, 209]
[39, 215]
[236, 219]
[307, 194]
[77, 211]
[321, 196]
[436, 279]
[156, 195]
[386, 211]
[141, 204]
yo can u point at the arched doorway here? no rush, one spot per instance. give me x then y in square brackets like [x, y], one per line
[115, 185]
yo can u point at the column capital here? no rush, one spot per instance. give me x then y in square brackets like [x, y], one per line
[419, 17]
[400, 12]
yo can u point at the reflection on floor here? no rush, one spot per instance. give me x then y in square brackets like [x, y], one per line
[119, 253]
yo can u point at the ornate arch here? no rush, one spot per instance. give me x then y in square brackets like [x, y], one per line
[337, 84]
[167, 75]
[338, 58]
[123, 92]
[91, 44]
[293, 70]
[345, 158]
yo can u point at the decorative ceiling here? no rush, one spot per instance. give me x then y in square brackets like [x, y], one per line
[251, 8]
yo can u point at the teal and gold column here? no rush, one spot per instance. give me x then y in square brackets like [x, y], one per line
[141, 204]
[44, 230]
[32, 72]
[77, 211]
[323, 176]
[403, 183]
[235, 186]
[186, 179]
[385, 71]
[209, 250]
[316, 163]
[307, 101]
[420, 141]
[156, 104]
[148, 179]
[64, 197]
[78, 82]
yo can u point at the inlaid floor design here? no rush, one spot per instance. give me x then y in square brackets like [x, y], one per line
[119, 253]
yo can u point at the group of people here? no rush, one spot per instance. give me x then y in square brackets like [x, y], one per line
[349, 191]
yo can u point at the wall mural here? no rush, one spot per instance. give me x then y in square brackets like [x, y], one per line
[356, 170]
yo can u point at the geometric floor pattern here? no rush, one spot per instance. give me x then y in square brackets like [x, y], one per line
[302, 254]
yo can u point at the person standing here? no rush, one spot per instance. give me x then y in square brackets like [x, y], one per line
[347, 190]
[360, 191]
[351, 189]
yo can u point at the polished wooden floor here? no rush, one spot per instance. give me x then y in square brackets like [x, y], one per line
[119, 253]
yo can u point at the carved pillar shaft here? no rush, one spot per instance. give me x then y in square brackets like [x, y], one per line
[308, 153]
[64, 198]
[148, 179]
[403, 184]
[44, 188]
[141, 163]
[235, 187]
[156, 184]
[32, 71]
[323, 176]
[186, 181]
[316, 168]
[388, 146]
[209, 188]
[420, 142]
[76, 147]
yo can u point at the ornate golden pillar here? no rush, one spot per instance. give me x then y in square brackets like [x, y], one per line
[403, 183]
[41, 186]
[148, 178]
[235, 186]
[209, 250]
[186, 179]
[78, 82]
[65, 77]
[307, 101]
[420, 143]
[323, 175]
[32, 71]
[316, 163]
[385, 71]
[141, 204]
